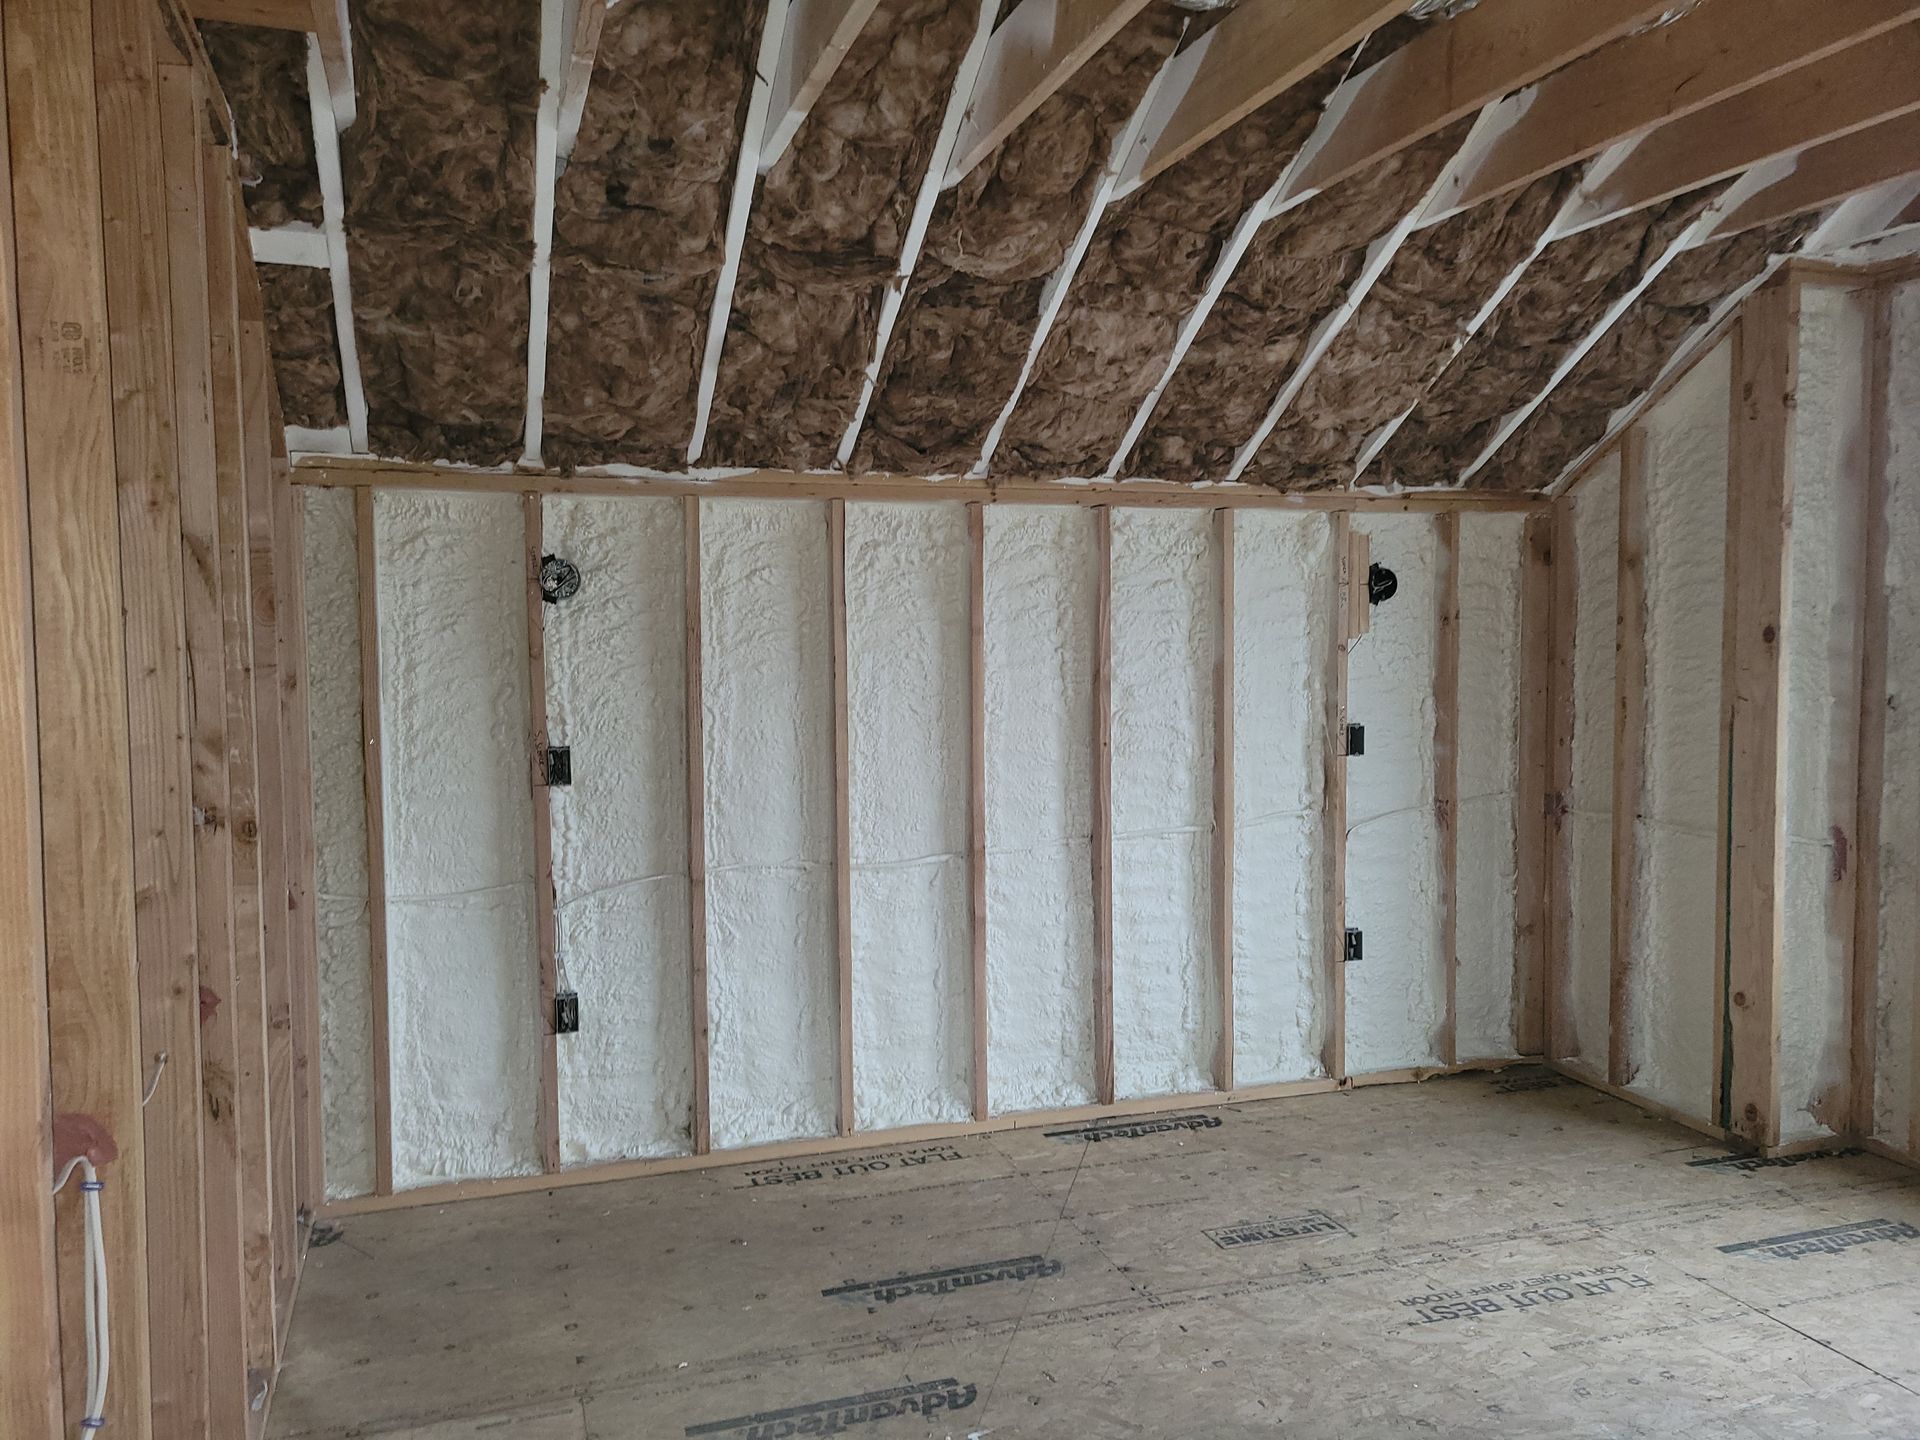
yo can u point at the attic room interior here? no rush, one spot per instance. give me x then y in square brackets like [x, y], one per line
[941, 718]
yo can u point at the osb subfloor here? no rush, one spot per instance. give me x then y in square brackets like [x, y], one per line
[1505, 1254]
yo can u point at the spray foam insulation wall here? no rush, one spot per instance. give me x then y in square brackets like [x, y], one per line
[341, 916]
[771, 973]
[1402, 336]
[1396, 996]
[462, 1008]
[1281, 603]
[639, 230]
[1630, 357]
[1166, 637]
[1582, 1012]
[1896, 1005]
[825, 235]
[438, 173]
[1672, 1010]
[263, 74]
[1488, 777]
[908, 700]
[1039, 613]
[994, 241]
[298, 300]
[1141, 276]
[1559, 299]
[1297, 271]
[1821, 690]
[616, 697]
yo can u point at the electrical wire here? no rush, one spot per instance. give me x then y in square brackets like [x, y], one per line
[95, 1265]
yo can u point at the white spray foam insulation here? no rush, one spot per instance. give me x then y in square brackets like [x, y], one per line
[616, 696]
[462, 1001]
[1596, 543]
[332, 577]
[1491, 561]
[1671, 946]
[1822, 689]
[1166, 631]
[1039, 614]
[1396, 994]
[771, 968]
[1897, 1068]
[908, 703]
[1280, 604]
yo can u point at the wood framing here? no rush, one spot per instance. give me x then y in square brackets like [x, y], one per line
[325, 20]
[842, 812]
[1557, 989]
[1823, 174]
[1446, 770]
[583, 47]
[1342, 577]
[546, 933]
[818, 35]
[372, 769]
[1629, 749]
[696, 767]
[308, 1079]
[1103, 1068]
[1223, 797]
[1534, 740]
[977, 801]
[1760, 489]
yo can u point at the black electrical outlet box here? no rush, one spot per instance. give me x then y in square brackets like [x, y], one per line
[1381, 584]
[559, 765]
[1356, 739]
[559, 579]
[1353, 947]
[566, 1013]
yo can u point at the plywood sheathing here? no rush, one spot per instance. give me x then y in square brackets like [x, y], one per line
[306, 357]
[1142, 275]
[1631, 356]
[1299, 269]
[826, 232]
[1562, 296]
[1403, 335]
[438, 173]
[264, 74]
[639, 229]
[995, 239]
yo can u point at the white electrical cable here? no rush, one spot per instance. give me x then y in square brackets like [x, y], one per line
[95, 1264]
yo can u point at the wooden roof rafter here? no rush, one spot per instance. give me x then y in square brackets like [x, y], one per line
[1822, 174]
[818, 35]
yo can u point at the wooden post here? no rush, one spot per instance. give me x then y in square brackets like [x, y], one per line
[1760, 494]
[977, 796]
[696, 827]
[842, 811]
[311, 1177]
[1629, 746]
[80, 666]
[1561, 1040]
[1103, 805]
[30, 1399]
[1223, 813]
[1341, 580]
[1446, 771]
[372, 773]
[546, 933]
[133, 202]
[1531, 827]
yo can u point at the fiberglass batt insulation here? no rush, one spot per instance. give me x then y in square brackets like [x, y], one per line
[909, 677]
[298, 300]
[1397, 994]
[1166, 637]
[767, 653]
[1492, 554]
[438, 175]
[1282, 600]
[263, 74]
[1039, 603]
[616, 696]
[1675, 970]
[825, 234]
[639, 229]
[1821, 696]
[341, 919]
[463, 1012]
[995, 240]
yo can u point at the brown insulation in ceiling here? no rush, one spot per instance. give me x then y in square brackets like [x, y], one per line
[264, 75]
[1561, 297]
[1402, 336]
[1298, 270]
[995, 238]
[438, 171]
[826, 231]
[1140, 278]
[306, 358]
[639, 234]
[1631, 356]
